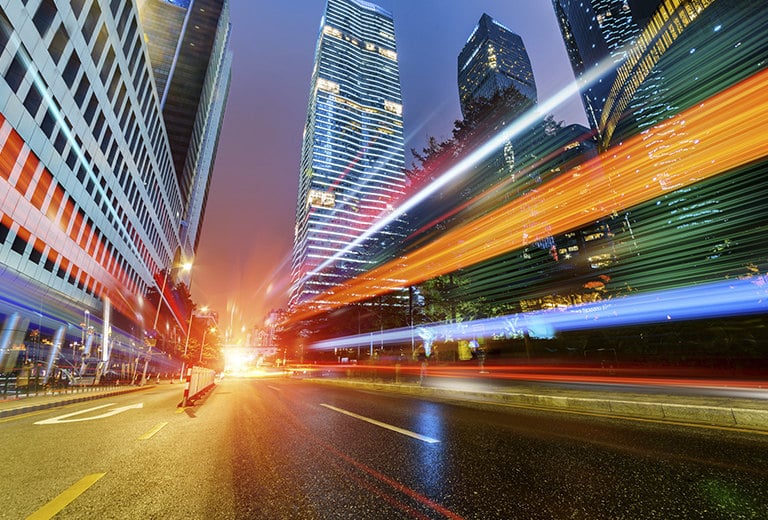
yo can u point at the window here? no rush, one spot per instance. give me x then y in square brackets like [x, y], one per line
[71, 70]
[107, 66]
[15, 73]
[114, 6]
[37, 251]
[58, 44]
[93, 103]
[5, 228]
[32, 101]
[82, 90]
[99, 125]
[90, 21]
[77, 6]
[21, 240]
[98, 46]
[60, 142]
[3, 37]
[44, 16]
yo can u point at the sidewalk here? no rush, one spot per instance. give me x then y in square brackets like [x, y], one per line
[740, 413]
[42, 400]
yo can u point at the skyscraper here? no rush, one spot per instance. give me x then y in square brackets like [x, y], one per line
[188, 43]
[598, 35]
[352, 157]
[92, 207]
[492, 61]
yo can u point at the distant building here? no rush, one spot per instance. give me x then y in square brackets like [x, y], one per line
[598, 35]
[352, 158]
[494, 60]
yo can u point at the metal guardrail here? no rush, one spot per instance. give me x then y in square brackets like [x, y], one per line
[12, 386]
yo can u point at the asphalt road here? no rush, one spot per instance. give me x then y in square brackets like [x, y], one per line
[285, 449]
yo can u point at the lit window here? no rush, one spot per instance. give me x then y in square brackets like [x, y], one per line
[392, 55]
[323, 199]
[331, 31]
[327, 86]
[395, 108]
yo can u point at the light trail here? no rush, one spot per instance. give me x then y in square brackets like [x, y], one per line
[717, 135]
[465, 165]
[717, 299]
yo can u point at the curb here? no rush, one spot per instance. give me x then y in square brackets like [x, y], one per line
[745, 418]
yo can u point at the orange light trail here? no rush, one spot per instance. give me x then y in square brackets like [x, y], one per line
[715, 136]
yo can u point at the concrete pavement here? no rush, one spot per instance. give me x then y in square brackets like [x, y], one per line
[43, 400]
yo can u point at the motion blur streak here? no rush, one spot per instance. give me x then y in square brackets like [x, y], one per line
[465, 165]
[723, 133]
[725, 298]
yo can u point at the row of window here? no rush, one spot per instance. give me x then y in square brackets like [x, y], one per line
[43, 20]
[36, 184]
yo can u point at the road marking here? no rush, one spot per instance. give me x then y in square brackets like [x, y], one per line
[50, 509]
[383, 425]
[153, 431]
[275, 388]
[66, 417]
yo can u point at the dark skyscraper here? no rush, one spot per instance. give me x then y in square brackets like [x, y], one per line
[598, 35]
[494, 60]
[188, 43]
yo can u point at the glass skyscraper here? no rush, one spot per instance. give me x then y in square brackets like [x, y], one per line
[352, 161]
[494, 60]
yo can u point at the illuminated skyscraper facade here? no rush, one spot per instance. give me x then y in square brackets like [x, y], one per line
[493, 60]
[352, 157]
[598, 34]
[91, 204]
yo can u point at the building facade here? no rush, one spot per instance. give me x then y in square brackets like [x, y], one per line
[188, 44]
[91, 205]
[352, 157]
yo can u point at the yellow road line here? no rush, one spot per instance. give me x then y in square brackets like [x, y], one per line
[153, 431]
[53, 507]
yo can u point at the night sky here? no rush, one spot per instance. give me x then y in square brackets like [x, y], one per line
[243, 261]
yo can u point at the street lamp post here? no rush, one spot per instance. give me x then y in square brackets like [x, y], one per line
[185, 267]
[202, 343]
[186, 342]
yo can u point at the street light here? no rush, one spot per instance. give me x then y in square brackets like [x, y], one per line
[186, 266]
[202, 343]
[186, 342]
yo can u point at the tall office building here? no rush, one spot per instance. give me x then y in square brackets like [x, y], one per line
[188, 44]
[352, 152]
[91, 206]
[492, 61]
[598, 36]
[675, 54]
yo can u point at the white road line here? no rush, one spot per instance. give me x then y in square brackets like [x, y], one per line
[383, 425]
[275, 388]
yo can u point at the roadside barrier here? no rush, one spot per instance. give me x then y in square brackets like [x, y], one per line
[199, 380]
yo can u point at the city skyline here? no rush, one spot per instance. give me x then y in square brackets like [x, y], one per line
[241, 270]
